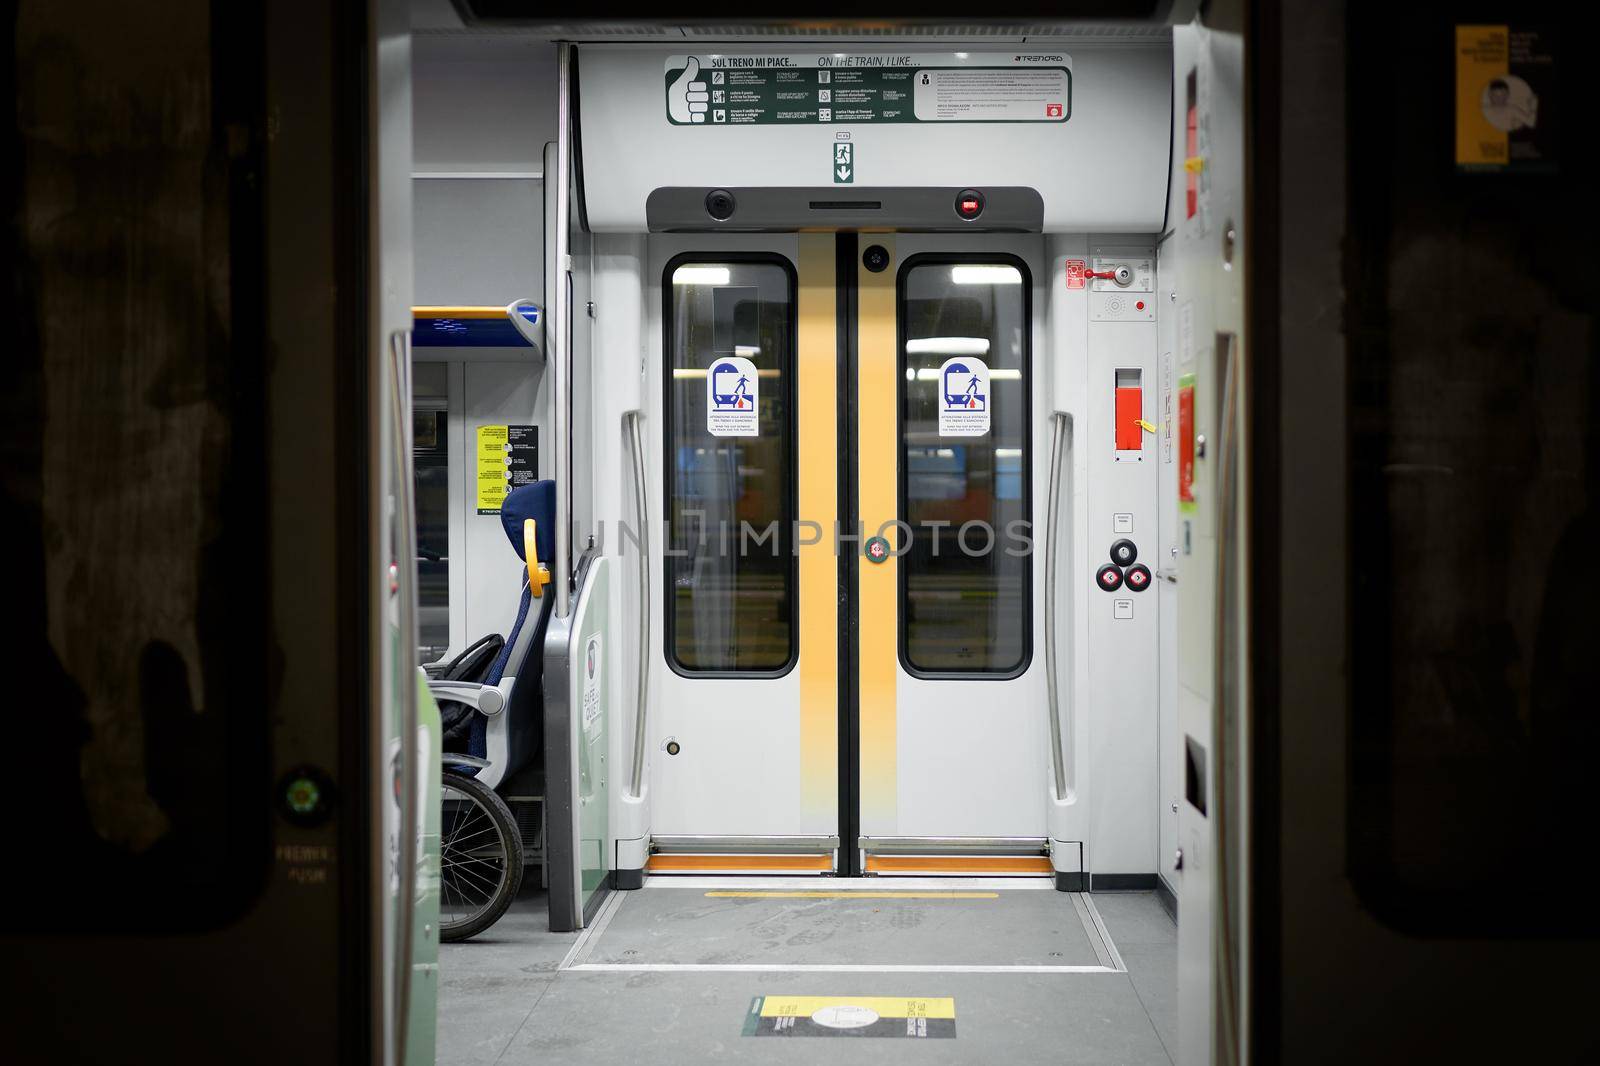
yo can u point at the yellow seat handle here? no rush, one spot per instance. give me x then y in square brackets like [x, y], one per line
[538, 573]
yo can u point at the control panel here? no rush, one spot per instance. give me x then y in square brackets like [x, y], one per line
[1122, 285]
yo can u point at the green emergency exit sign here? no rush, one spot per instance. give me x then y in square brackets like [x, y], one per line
[844, 163]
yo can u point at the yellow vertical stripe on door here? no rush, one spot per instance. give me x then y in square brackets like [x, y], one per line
[817, 443]
[877, 462]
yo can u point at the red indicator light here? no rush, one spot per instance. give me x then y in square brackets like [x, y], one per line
[1139, 305]
[969, 206]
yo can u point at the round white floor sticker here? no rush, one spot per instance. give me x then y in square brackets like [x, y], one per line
[845, 1016]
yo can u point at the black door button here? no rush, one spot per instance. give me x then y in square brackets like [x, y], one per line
[1123, 552]
[720, 204]
[1108, 577]
[1137, 578]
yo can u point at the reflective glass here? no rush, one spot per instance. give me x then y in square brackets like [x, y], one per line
[965, 601]
[730, 567]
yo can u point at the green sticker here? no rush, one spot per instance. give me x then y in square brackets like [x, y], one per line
[877, 549]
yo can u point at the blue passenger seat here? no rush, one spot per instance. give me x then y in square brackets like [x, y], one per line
[508, 736]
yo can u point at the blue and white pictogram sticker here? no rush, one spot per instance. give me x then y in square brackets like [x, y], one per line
[963, 397]
[733, 398]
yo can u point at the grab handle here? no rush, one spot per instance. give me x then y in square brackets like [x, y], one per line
[406, 680]
[1060, 455]
[641, 510]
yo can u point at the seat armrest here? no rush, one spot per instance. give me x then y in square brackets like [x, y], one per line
[485, 699]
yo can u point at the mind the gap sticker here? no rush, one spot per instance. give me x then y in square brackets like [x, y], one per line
[733, 398]
[904, 1016]
[963, 397]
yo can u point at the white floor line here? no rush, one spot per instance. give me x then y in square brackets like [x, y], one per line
[778, 967]
[1083, 903]
[1105, 934]
[847, 884]
[580, 947]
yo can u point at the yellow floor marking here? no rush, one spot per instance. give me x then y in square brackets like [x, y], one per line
[816, 893]
[885, 1006]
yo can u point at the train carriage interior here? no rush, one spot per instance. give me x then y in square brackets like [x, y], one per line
[573, 536]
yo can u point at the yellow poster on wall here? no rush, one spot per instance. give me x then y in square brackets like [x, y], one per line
[508, 456]
[494, 470]
[1505, 99]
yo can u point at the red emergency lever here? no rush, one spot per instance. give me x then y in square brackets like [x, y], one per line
[1109, 275]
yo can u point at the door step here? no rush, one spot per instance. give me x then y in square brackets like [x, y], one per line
[974, 856]
[959, 865]
[742, 854]
[739, 864]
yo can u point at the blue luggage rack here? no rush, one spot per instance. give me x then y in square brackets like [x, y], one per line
[477, 327]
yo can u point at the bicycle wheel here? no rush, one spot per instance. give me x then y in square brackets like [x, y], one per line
[480, 858]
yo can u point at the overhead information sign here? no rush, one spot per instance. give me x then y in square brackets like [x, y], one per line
[748, 90]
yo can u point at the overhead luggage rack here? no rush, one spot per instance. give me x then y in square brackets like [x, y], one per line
[519, 324]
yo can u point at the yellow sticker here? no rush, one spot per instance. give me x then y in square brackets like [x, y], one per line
[882, 1006]
[494, 470]
[1482, 57]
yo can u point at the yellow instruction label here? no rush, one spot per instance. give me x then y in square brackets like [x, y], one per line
[494, 468]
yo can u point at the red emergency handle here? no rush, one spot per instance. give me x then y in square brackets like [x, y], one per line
[1109, 275]
[1130, 409]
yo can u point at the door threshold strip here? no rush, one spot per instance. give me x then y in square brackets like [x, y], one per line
[842, 884]
[585, 943]
[845, 893]
[1104, 947]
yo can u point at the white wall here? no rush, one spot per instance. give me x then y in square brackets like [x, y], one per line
[482, 103]
[1114, 682]
[484, 107]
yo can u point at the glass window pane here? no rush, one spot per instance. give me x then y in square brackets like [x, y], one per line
[431, 457]
[965, 576]
[730, 565]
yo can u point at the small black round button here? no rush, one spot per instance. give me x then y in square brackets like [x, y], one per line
[1124, 552]
[875, 258]
[1137, 578]
[720, 204]
[969, 204]
[1108, 577]
[672, 747]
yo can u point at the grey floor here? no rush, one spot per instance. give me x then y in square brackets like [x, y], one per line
[505, 999]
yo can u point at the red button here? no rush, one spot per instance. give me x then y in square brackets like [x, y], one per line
[1139, 305]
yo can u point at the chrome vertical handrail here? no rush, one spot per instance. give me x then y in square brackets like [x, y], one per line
[560, 295]
[642, 512]
[1061, 425]
[405, 550]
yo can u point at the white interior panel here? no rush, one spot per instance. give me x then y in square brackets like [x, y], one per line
[1105, 168]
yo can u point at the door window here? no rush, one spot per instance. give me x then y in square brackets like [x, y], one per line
[730, 563]
[965, 499]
